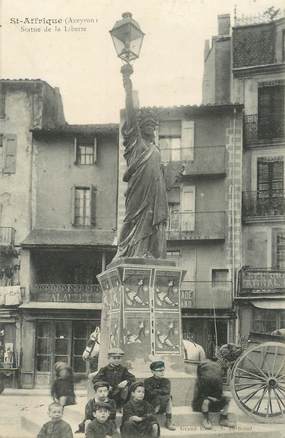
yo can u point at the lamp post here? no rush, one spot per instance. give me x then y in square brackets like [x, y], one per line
[127, 37]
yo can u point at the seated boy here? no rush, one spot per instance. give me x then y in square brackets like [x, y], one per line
[117, 376]
[101, 390]
[138, 415]
[158, 392]
[101, 426]
[56, 427]
[208, 394]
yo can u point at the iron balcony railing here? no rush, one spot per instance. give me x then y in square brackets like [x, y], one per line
[206, 294]
[199, 160]
[7, 236]
[263, 203]
[263, 128]
[69, 293]
[196, 225]
[260, 281]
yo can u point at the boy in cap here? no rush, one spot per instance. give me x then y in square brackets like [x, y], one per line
[138, 415]
[208, 394]
[101, 426]
[62, 390]
[117, 376]
[56, 427]
[158, 392]
[101, 390]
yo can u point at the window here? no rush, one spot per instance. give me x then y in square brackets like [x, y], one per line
[270, 177]
[1, 152]
[280, 254]
[283, 46]
[84, 206]
[219, 277]
[85, 151]
[2, 102]
[266, 321]
[8, 149]
[187, 208]
[174, 256]
[176, 140]
[271, 111]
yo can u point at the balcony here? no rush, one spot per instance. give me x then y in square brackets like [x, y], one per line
[7, 237]
[204, 160]
[206, 294]
[203, 225]
[261, 281]
[66, 293]
[263, 205]
[262, 130]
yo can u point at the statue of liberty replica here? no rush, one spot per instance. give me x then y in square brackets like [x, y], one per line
[141, 312]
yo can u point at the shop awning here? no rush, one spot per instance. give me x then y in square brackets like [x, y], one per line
[61, 306]
[269, 304]
[55, 238]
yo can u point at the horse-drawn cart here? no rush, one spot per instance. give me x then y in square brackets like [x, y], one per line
[258, 378]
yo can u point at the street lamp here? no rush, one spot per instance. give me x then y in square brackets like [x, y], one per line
[127, 37]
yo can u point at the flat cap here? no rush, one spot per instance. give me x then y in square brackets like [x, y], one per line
[116, 352]
[135, 385]
[58, 366]
[100, 384]
[99, 405]
[157, 365]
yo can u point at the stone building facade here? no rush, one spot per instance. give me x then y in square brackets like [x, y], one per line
[258, 82]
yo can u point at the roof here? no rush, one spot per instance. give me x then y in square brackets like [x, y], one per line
[61, 306]
[79, 237]
[199, 108]
[25, 81]
[96, 128]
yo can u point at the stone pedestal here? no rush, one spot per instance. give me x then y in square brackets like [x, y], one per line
[142, 314]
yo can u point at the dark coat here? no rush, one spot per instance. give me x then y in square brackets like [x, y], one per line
[55, 429]
[158, 391]
[100, 430]
[114, 376]
[143, 428]
[209, 383]
[63, 387]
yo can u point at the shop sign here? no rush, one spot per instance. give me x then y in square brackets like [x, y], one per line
[262, 281]
[187, 298]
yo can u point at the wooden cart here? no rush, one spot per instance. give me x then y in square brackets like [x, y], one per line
[258, 378]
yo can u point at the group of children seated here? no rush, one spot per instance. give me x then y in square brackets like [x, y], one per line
[116, 389]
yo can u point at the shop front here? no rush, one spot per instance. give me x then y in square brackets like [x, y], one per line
[56, 335]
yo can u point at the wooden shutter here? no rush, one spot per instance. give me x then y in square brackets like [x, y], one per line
[10, 141]
[72, 204]
[188, 208]
[93, 191]
[187, 139]
[75, 155]
[95, 150]
[270, 176]
[2, 101]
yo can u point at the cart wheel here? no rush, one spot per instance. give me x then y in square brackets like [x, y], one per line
[258, 382]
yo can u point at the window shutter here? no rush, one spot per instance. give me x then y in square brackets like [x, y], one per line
[2, 102]
[95, 150]
[10, 153]
[187, 139]
[72, 216]
[93, 191]
[75, 157]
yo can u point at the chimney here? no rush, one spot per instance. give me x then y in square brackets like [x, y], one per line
[206, 49]
[224, 24]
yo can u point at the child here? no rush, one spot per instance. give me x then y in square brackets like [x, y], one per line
[62, 389]
[158, 392]
[101, 426]
[118, 377]
[208, 394]
[138, 415]
[101, 390]
[56, 427]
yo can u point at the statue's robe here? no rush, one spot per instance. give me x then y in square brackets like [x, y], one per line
[143, 230]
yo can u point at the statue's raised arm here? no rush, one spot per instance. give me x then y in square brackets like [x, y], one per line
[127, 71]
